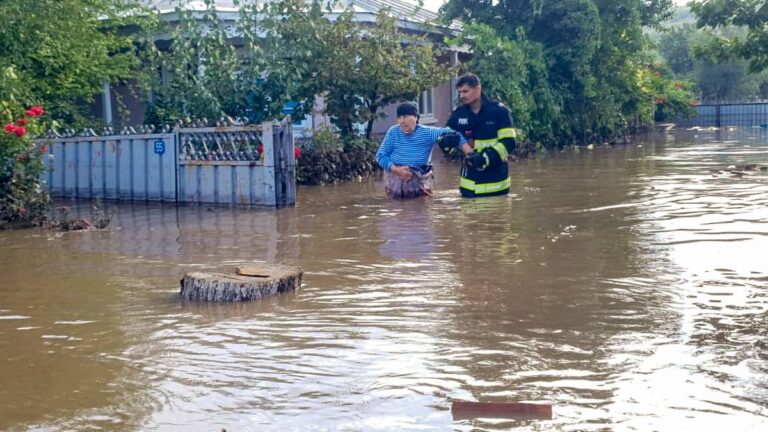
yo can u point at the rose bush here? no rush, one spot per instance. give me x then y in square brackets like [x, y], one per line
[23, 202]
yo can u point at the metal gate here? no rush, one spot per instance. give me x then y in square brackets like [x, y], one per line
[245, 165]
[124, 167]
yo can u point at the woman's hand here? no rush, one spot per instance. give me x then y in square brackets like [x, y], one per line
[402, 172]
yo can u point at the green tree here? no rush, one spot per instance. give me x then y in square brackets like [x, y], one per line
[587, 54]
[513, 72]
[674, 46]
[291, 51]
[358, 68]
[63, 51]
[685, 51]
[750, 14]
[204, 74]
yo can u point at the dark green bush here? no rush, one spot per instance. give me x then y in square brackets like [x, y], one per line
[351, 160]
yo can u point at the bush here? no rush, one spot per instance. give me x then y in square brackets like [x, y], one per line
[327, 162]
[23, 203]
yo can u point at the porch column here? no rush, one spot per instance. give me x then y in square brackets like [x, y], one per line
[106, 101]
[454, 93]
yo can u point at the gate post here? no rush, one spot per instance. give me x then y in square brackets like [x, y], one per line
[285, 164]
[717, 115]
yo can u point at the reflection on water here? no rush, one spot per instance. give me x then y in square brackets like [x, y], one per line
[407, 232]
[627, 286]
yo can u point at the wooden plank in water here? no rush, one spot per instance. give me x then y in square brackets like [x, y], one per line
[519, 410]
[253, 271]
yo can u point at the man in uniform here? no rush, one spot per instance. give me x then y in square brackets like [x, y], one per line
[487, 126]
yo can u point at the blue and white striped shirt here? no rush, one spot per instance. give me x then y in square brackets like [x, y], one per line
[412, 149]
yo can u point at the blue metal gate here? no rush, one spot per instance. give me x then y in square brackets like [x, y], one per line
[248, 165]
[126, 167]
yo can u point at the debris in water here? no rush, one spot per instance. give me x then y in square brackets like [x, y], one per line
[517, 410]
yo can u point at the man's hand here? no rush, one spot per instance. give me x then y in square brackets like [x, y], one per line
[402, 172]
[478, 160]
[448, 141]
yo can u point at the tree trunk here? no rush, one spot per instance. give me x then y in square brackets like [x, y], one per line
[247, 283]
[373, 108]
[369, 127]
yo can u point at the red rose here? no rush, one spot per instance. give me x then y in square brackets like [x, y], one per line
[20, 131]
[296, 152]
[21, 122]
[36, 110]
[260, 148]
[10, 128]
[29, 113]
[43, 148]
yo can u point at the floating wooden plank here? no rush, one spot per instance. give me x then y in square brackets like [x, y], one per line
[243, 284]
[517, 410]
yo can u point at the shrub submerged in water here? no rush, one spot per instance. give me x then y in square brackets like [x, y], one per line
[23, 203]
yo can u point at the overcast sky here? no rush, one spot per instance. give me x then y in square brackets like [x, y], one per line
[434, 5]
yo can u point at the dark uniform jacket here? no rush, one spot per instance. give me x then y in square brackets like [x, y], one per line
[490, 131]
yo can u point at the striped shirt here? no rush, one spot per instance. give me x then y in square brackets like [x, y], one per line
[412, 149]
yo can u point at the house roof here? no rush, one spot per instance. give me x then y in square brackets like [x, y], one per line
[406, 11]
[166, 6]
[402, 9]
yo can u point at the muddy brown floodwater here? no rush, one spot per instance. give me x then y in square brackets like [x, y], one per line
[627, 286]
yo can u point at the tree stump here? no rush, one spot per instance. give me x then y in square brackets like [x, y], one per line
[251, 282]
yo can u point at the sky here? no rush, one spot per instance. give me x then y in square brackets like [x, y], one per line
[434, 5]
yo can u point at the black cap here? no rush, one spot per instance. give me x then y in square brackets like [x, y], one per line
[408, 108]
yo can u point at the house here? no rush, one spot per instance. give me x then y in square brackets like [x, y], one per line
[435, 104]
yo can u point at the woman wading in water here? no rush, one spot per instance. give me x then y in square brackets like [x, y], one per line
[405, 153]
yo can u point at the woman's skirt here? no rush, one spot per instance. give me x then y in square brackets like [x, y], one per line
[420, 183]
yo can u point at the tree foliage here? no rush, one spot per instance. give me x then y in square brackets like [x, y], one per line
[685, 50]
[56, 54]
[203, 74]
[292, 52]
[750, 14]
[584, 63]
[675, 47]
[63, 51]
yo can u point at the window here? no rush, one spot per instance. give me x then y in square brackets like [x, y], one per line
[426, 104]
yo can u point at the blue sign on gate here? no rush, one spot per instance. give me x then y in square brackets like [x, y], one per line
[159, 147]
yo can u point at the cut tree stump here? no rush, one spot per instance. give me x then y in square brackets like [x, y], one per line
[246, 283]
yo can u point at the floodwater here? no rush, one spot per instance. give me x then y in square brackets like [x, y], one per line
[627, 286]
